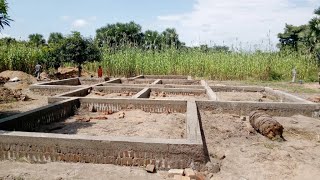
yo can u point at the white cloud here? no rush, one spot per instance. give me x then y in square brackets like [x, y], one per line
[83, 22]
[234, 21]
[80, 23]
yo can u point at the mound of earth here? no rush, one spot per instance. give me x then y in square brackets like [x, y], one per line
[66, 72]
[24, 77]
[3, 80]
[8, 95]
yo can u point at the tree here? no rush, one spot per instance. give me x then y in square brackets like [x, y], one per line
[152, 40]
[290, 37]
[55, 38]
[170, 38]
[4, 17]
[36, 39]
[7, 41]
[78, 49]
[119, 34]
[304, 38]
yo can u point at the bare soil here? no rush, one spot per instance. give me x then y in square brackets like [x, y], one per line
[95, 94]
[133, 123]
[243, 155]
[13, 170]
[245, 96]
[25, 79]
[179, 97]
[309, 91]
[256, 157]
[12, 92]
[64, 73]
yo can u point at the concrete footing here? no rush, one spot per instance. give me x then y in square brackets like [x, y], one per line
[20, 139]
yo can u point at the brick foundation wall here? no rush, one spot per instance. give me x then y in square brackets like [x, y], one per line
[41, 148]
[275, 109]
[48, 90]
[155, 106]
[70, 82]
[32, 120]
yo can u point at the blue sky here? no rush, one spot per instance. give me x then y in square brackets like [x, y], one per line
[229, 22]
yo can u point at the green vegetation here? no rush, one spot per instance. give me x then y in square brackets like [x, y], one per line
[304, 38]
[122, 49]
[4, 17]
[212, 65]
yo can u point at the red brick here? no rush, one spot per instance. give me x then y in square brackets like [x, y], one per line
[118, 161]
[139, 161]
[125, 154]
[130, 162]
[131, 154]
[135, 154]
[146, 162]
[112, 159]
[135, 162]
[153, 162]
[77, 158]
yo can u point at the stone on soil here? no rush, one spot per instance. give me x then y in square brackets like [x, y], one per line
[173, 172]
[189, 172]
[150, 168]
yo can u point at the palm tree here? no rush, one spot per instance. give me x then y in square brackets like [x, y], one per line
[4, 18]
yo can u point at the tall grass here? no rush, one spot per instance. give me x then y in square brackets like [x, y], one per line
[211, 65]
[19, 57]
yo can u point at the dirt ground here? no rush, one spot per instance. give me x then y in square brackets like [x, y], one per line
[245, 96]
[95, 94]
[10, 170]
[15, 106]
[245, 156]
[179, 97]
[309, 91]
[256, 157]
[134, 123]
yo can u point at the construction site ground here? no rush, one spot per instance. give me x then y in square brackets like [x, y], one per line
[241, 154]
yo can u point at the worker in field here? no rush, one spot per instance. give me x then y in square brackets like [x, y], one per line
[294, 75]
[38, 69]
[100, 72]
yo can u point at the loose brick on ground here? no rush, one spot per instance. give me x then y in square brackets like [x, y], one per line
[173, 172]
[189, 172]
[150, 168]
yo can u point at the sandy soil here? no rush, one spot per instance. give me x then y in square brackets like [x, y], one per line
[309, 91]
[244, 96]
[135, 123]
[256, 157]
[10, 170]
[180, 97]
[15, 107]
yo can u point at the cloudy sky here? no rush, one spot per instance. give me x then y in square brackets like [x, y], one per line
[228, 22]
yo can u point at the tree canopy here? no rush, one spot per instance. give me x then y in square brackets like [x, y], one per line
[4, 17]
[130, 34]
[78, 49]
[55, 38]
[304, 38]
[36, 39]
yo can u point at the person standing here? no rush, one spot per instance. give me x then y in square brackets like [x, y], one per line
[38, 69]
[294, 75]
[100, 72]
